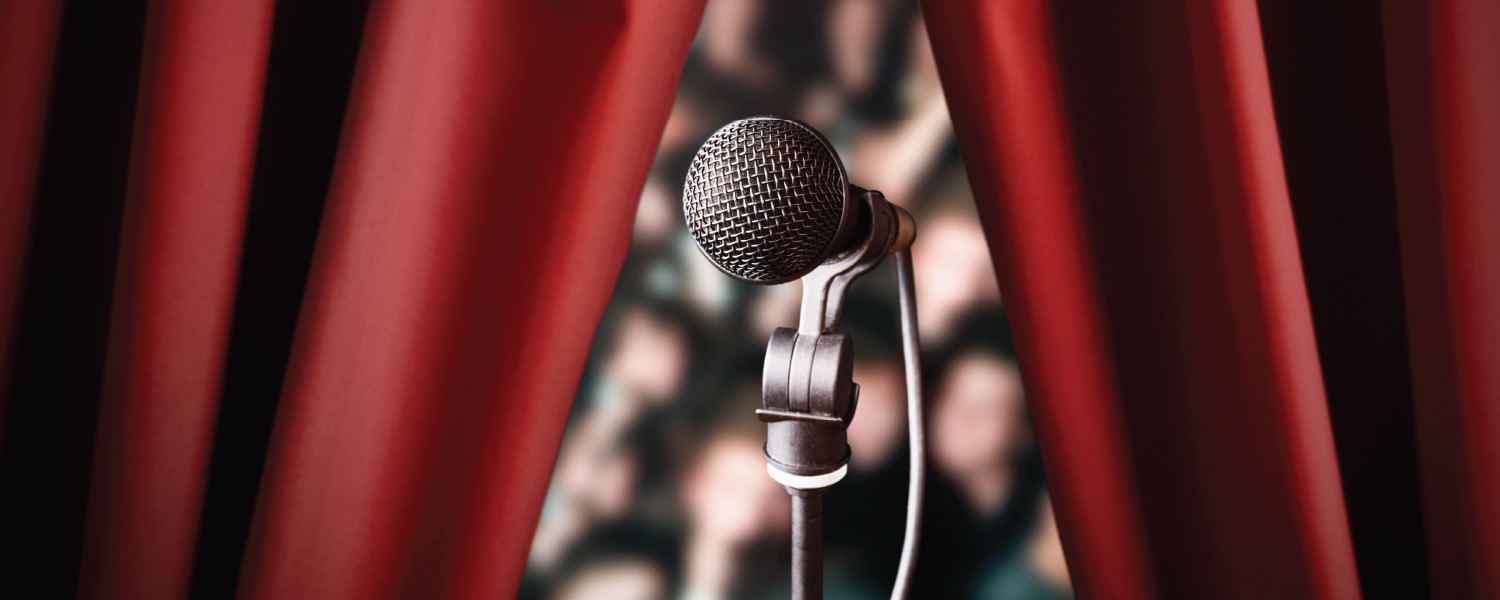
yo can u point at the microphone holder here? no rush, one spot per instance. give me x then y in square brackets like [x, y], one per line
[809, 396]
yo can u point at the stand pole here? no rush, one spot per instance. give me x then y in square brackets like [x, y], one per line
[807, 544]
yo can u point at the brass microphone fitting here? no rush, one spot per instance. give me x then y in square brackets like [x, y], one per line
[906, 230]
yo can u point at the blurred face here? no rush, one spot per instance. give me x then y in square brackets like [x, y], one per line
[656, 215]
[951, 262]
[978, 418]
[649, 357]
[878, 420]
[775, 306]
[612, 485]
[627, 580]
[728, 495]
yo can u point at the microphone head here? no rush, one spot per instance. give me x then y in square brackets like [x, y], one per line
[767, 199]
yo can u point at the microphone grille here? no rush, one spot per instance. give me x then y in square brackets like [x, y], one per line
[765, 199]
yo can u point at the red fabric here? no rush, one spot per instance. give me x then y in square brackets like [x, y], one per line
[1206, 315]
[480, 212]
[1272, 322]
[28, 37]
[1443, 60]
[1003, 88]
[1128, 170]
[194, 147]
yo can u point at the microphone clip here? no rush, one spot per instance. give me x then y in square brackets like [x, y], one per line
[808, 390]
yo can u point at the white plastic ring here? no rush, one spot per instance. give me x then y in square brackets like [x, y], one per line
[806, 482]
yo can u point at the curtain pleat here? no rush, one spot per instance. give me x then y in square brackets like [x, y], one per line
[1205, 318]
[62, 303]
[1281, 405]
[1443, 61]
[480, 212]
[1001, 79]
[1328, 83]
[28, 38]
[202, 75]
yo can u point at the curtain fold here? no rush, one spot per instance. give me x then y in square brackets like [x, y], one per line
[1328, 83]
[1271, 319]
[1001, 79]
[480, 211]
[202, 75]
[61, 303]
[1443, 60]
[28, 38]
[1204, 312]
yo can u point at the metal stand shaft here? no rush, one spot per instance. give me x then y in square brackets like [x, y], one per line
[809, 396]
[807, 544]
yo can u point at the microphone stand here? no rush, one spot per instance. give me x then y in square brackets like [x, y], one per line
[809, 396]
[807, 543]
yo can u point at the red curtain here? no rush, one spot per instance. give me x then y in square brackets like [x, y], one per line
[1146, 175]
[1005, 94]
[1250, 252]
[1444, 63]
[28, 35]
[480, 211]
[202, 70]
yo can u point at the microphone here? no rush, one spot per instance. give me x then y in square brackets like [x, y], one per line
[767, 200]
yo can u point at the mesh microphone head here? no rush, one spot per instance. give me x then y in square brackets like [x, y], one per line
[767, 199]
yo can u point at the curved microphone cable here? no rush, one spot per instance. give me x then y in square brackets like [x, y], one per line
[916, 427]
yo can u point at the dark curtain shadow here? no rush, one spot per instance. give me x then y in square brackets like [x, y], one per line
[314, 47]
[63, 309]
[1328, 82]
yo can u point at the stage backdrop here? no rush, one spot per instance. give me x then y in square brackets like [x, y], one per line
[295, 296]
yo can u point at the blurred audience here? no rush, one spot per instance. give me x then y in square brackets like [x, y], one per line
[596, 472]
[625, 580]
[880, 430]
[660, 488]
[952, 269]
[730, 503]
[979, 430]
[618, 562]
[1035, 570]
